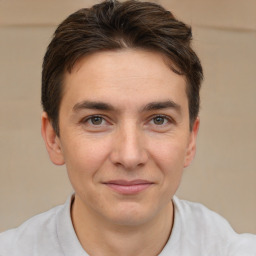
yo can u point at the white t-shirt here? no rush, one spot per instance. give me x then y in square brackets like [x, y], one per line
[196, 231]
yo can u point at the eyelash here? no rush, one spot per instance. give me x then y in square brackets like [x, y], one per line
[152, 118]
[89, 118]
[166, 118]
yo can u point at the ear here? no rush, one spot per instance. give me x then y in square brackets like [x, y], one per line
[52, 141]
[191, 149]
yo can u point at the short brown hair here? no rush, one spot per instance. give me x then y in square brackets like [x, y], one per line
[113, 25]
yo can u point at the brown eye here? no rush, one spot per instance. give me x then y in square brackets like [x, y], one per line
[159, 120]
[96, 120]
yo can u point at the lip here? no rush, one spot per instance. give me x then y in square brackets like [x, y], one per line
[128, 187]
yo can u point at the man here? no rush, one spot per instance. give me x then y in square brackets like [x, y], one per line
[120, 93]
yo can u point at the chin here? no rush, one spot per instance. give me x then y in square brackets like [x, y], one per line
[132, 215]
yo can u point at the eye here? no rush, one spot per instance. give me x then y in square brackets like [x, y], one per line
[95, 120]
[160, 120]
[160, 123]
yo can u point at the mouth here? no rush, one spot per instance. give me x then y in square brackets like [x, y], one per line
[128, 187]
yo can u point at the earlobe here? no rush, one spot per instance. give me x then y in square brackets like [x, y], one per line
[191, 150]
[52, 141]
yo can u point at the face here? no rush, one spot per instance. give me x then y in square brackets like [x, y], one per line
[124, 134]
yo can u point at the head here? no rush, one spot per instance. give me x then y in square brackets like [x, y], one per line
[120, 92]
[112, 25]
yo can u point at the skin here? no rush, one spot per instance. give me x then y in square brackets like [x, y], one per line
[123, 116]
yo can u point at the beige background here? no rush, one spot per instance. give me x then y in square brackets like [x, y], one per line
[223, 175]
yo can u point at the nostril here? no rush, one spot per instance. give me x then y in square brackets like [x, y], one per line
[129, 160]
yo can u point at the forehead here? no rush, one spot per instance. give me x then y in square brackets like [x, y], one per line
[123, 75]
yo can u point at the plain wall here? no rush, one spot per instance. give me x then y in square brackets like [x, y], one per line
[223, 175]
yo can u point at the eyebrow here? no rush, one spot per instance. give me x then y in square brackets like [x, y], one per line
[162, 105]
[108, 107]
[92, 105]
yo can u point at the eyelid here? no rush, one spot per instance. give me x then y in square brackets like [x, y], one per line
[106, 119]
[169, 118]
[87, 118]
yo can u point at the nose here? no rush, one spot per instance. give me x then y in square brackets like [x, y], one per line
[129, 148]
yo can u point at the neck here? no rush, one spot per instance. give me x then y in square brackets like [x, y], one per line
[114, 239]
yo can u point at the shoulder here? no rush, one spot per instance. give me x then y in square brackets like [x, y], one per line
[195, 214]
[211, 231]
[40, 230]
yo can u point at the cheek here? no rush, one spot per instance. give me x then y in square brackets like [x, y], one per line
[84, 156]
[172, 161]
[170, 155]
